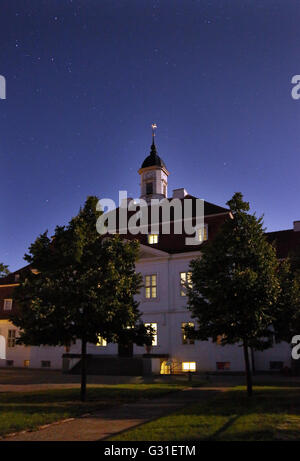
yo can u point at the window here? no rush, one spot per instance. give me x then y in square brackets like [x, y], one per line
[45, 364]
[223, 365]
[152, 238]
[150, 286]
[185, 280]
[154, 327]
[185, 339]
[17, 277]
[188, 366]
[202, 233]
[149, 188]
[11, 339]
[165, 190]
[276, 365]
[165, 367]
[101, 342]
[9, 363]
[26, 363]
[7, 304]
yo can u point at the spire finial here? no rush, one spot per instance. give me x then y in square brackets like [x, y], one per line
[154, 126]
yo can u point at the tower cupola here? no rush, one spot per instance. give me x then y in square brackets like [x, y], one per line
[154, 174]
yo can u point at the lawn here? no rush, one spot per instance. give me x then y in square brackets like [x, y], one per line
[273, 413]
[28, 410]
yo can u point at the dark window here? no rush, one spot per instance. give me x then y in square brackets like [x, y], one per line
[9, 363]
[46, 363]
[149, 188]
[276, 365]
[223, 365]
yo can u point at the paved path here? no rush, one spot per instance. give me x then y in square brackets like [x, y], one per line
[107, 422]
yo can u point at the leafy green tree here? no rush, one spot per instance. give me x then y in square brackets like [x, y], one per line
[287, 314]
[83, 287]
[235, 285]
[3, 270]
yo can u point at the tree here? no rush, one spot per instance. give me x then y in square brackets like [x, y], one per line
[235, 285]
[287, 313]
[3, 270]
[83, 287]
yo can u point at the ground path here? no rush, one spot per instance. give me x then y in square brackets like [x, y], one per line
[110, 421]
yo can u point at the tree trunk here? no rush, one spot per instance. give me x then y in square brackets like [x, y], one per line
[252, 361]
[83, 370]
[247, 369]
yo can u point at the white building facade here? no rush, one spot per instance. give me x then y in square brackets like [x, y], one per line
[164, 264]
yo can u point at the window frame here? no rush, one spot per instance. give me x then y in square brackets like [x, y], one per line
[152, 237]
[202, 238]
[182, 282]
[149, 185]
[155, 336]
[151, 287]
[5, 302]
[185, 341]
[11, 338]
[190, 368]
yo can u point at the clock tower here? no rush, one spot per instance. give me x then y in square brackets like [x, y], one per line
[154, 175]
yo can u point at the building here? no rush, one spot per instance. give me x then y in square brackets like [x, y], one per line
[164, 264]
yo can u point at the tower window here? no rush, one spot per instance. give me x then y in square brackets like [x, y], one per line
[152, 238]
[149, 188]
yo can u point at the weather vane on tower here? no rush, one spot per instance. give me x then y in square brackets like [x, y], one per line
[154, 126]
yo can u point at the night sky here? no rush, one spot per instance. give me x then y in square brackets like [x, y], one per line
[86, 78]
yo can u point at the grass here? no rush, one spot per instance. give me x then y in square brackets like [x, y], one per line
[28, 410]
[273, 413]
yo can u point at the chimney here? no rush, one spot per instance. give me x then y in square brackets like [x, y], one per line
[296, 226]
[179, 193]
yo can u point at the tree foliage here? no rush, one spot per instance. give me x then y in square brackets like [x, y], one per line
[3, 270]
[235, 285]
[82, 287]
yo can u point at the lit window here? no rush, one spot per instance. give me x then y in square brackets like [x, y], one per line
[101, 342]
[152, 238]
[11, 340]
[188, 366]
[202, 233]
[150, 286]
[185, 339]
[154, 328]
[7, 304]
[185, 280]
[26, 363]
